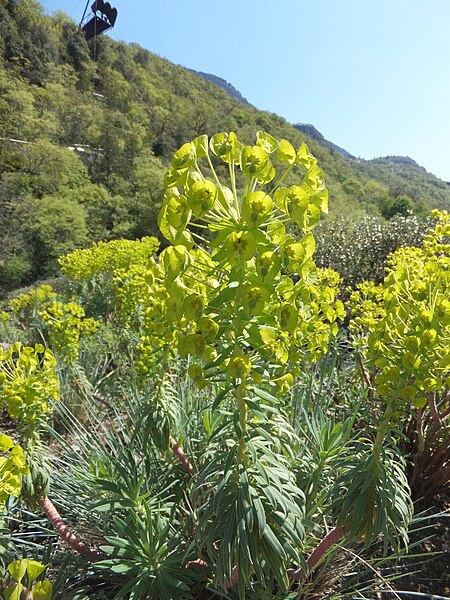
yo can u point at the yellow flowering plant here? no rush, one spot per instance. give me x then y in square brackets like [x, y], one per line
[402, 329]
[238, 296]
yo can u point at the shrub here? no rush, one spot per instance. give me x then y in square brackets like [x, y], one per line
[358, 250]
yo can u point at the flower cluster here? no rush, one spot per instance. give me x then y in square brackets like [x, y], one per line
[12, 467]
[66, 324]
[405, 322]
[24, 306]
[28, 382]
[103, 258]
[262, 305]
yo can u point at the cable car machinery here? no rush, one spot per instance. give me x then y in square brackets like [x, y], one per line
[102, 18]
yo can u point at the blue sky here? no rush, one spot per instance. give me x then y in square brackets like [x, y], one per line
[372, 75]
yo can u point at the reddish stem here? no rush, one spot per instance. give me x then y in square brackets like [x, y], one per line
[198, 562]
[329, 540]
[64, 532]
[179, 453]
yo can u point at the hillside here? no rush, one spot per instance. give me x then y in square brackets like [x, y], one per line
[402, 175]
[84, 144]
[222, 83]
[314, 134]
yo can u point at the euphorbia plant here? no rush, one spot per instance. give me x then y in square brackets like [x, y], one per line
[28, 582]
[403, 332]
[239, 297]
[29, 386]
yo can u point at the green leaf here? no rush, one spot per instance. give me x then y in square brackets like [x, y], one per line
[264, 395]
[256, 208]
[266, 141]
[35, 569]
[184, 157]
[253, 160]
[218, 399]
[276, 231]
[201, 145]
[121, 567]
[304, 157]
[226, 146]
[286, 152]
[42, 590]
[18, 568]
[419, 401]
[13, 592]
[6, 443]
[225, 296]
[260, 515]
[309, 244]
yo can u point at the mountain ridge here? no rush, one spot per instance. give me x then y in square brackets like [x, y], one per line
[312, 132]
[223, 84]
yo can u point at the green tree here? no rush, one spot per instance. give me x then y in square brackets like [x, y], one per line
[55, 226]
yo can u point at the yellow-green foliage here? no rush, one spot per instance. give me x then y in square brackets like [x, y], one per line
[66, 324]
[36, 299]
[28, 382]
[103, 258]
[168, 313]
[12, 467]
[405, 322]
[24, 573]
[134, 290]
[255, 303]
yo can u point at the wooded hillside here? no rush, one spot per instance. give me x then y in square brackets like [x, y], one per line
[86, 132]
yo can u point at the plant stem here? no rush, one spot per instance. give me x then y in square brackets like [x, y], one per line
[431, 400]
[365, 377]
[233, 184]
[382, 430]
[242, 408]
[280, 181]
[324, 545]
[64, 532]
[179, 453]
[384, 423]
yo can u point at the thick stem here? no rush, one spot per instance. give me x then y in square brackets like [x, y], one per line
[384, 423]
[179, 453]
[64, 532]
[329, 540]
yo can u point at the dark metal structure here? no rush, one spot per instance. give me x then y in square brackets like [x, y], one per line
[103, 17]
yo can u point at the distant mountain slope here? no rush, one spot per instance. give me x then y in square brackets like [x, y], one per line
[314, 134]
[222, 83]
[402, 175]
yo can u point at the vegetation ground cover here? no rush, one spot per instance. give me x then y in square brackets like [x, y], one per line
[211, 417]
[221, 391]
